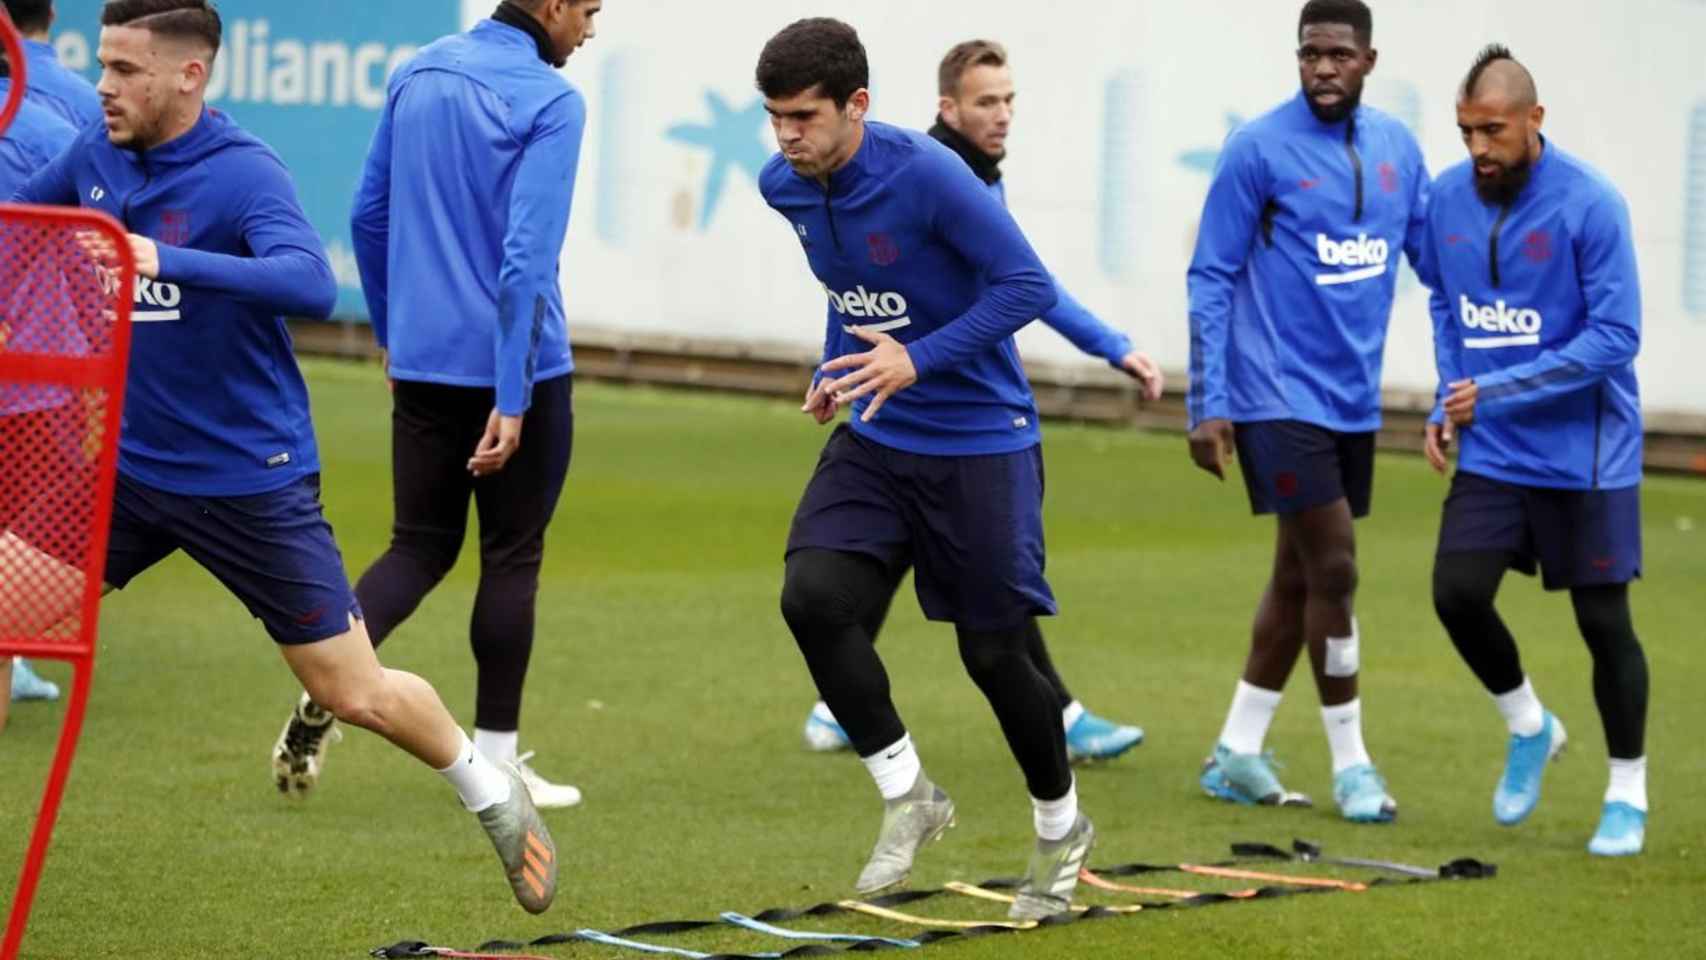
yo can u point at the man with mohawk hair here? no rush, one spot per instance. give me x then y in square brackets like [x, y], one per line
[1537, 320]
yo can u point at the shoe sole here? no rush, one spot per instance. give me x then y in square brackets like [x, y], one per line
[1086, 757]
[901, 881]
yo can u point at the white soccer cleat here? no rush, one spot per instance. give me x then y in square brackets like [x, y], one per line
[300, 750]
[546, 795]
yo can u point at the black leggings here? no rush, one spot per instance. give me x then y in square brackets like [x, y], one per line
[1464, 587]
[833, 601]
[435, 429]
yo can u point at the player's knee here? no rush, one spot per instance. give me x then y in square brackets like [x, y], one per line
[362, 705]
[815, 592]
[1333, 575]
[990, 655]
[433, 551]
[1460, 597]
[1602, 614]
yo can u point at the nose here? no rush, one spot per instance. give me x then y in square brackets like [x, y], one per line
[1325, 68]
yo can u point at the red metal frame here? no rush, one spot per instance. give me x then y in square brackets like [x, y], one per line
[105, 372]
[15, 62]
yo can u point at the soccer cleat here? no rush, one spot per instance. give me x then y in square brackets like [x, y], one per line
[1053, 873]
[524, 845]
[1622, 831]
[1246, 778]
[823, 735]
[1361, 794]
[1518, 792]
[1094, 738]
[546, 795]
[909, 823]
[300, 751]
[29, 685]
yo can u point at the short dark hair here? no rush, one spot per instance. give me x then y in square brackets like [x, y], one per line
[186, 19]
[964, 56]
[31, 15]
[1353, 13]
[817, 52]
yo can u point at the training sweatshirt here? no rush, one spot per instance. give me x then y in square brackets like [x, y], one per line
[1292, 281]
[1067, 317]
[1539, 302]
[906, 240]
[214, 402]
[463, 206]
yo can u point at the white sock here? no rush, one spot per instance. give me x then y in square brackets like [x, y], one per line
[895, 768]
[1247, 722]
[477, 780]
[820, 710]
[1344, 734]
[1628, 783]
[1070, 715]
[497, 745]
[1054, 818]
[1523, 714]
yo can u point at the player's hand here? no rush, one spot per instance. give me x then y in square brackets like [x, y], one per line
[501, 441]
[819, 403]
[1212, 446]
[147, 255]
[385, 365]
[1437, 444]
[1460, 403]
[1139, 367]
[884, 370]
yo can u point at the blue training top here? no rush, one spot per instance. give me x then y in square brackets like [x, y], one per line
[1540, 304]
[59, 89]
[215, 404]
[461, 213]
[906, 240]
[1292, 282]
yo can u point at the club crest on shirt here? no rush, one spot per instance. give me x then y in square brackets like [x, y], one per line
[1388, 177]
[1537, 246]
[883, 249]
[175, 228]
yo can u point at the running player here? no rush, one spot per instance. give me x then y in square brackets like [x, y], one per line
[217, 456]
[927, 278]
[471, 320]
[974, 116]
[1291, 288]
[1537, 320]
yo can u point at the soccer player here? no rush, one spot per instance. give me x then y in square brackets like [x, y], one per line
[72, 99]
[217, 456]
[1291, 288]
[927, 278]
[1537, 320]
[458, 227]
[52, 85]
[36, 136]
[974, 115]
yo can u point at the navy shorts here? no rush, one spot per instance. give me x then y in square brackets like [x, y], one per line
[1290, 466]
[1577, 538]
[274, 551]
[971, 527]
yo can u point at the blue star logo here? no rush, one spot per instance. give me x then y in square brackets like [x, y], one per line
[734, 138]
[1203, 160]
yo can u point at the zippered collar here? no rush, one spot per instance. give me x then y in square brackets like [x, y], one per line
[212, 131]
[987, 168]
[1337, 128]
[511, 15]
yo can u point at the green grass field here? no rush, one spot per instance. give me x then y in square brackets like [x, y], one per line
[666, 686]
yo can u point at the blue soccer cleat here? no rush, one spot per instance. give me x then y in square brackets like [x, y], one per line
[1622, 831]
[822, 734]
[1518, 792]
[1093, 738]
[1361, 794]
[28, 685]
[1246, 778]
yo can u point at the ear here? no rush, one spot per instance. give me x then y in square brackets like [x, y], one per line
[1537, 117]
[1373, 60]
[859, 104]
[949, 109]
[192, 76]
